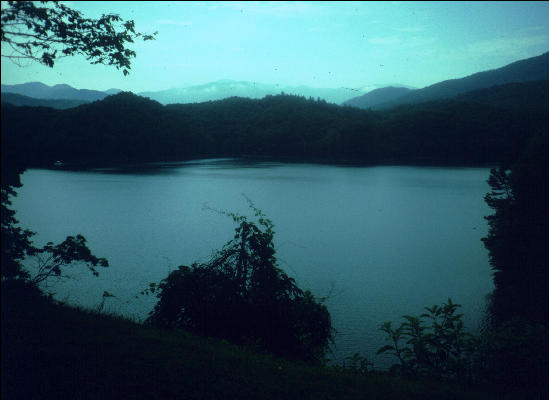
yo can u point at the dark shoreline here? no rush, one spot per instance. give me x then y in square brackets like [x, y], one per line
[91, 165]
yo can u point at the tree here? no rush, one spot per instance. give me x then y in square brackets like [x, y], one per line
[42, 34]
[243, 296]
[51, 259]
[514, 350]
[16, 241]
[45, 33]
[517, 239]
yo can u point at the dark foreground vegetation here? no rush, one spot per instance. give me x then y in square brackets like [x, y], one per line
[243, 296]
[54, 351]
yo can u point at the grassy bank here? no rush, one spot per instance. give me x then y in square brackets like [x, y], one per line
[51, 351]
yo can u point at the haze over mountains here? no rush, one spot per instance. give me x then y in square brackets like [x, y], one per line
[211, 91]
[225, 88]
[530, 69]
[377, 96]
[381, 97]
[39, 90]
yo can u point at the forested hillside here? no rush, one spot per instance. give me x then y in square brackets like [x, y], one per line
[527, 70]
[480, 127]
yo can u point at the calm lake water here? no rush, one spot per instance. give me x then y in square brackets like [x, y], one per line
[380, 242]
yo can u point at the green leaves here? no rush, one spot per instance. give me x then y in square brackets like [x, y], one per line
[52, 259]
[435, 343]
[241, 295]
[37, 33]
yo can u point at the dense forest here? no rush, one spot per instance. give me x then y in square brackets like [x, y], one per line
[481, 127]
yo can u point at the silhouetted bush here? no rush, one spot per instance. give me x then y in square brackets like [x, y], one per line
[243, 296]
[435, 344]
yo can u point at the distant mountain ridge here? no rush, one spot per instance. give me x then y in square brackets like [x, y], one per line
[59, 104]
[377, 96]
[40, 90]
[211, 91]
[226, 88]
[381, 97]
[529, 69]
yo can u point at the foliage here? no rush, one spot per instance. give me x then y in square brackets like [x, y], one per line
[243, 296]
[435, 343]
[50, 259]
[38, 33]
[52, 30]
[358, 364]
[53, 351]
[16, 241]
[130, 128]
[515, 355]
[514, 351]
[517, 240]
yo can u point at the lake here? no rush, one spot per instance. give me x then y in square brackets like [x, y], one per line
[379, 241]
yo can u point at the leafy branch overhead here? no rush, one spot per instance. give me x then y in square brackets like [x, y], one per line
[46, 32]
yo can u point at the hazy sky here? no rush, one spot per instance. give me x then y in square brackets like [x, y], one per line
[319, 44]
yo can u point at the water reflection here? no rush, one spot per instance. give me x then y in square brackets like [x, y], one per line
[175, 167]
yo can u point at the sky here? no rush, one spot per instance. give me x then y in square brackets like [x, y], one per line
[318, 44]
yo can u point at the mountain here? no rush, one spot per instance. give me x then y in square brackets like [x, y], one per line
[112, 91]
[532, 95]
[381, 97]
[39, 90]
[20, 100]
[211, 91]
[530, 69]
[377, 96]
[226, 88]
[485, 126]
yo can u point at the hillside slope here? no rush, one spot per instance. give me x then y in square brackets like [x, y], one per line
[51, 351]
[377, 96]
[530, 69]
[59, 104]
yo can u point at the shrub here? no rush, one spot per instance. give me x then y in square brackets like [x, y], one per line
[243, 296]
[435, 344]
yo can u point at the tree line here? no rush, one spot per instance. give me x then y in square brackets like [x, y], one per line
[129, 128]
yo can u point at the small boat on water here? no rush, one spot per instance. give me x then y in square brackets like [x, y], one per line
[58, 164]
